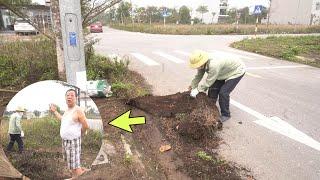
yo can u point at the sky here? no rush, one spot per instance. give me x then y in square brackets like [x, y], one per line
[191, 3]
[39, 95]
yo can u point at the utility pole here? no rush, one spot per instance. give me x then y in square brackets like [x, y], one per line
[132, 13]
[269, 11]
[295, 23]
[73, 45]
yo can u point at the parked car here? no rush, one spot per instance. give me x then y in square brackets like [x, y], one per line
[23, 27]
[96, 27]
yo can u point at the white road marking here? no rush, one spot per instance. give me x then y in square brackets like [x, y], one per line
[145, 59]
[279, 126]
[182, 52]
[276, 67]
[249, 53]
[253, 75]
[169, 57]
[224, 53]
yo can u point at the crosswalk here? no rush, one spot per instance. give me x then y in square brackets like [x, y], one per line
[156, 58]
[146, 60]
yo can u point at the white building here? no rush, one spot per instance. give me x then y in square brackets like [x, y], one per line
[295, 12]
[218, 8]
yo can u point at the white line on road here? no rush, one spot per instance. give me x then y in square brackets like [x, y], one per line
[253, 75]
[169, 57]
[145, 59]
[182, 52]
[249, 53]
[279, 126]
[224, 53]
[276, 67]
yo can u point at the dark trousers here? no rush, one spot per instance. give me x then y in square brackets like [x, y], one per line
[13, 138]
[223, 89]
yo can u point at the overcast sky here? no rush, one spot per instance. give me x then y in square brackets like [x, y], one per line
[39, 95]
[191, 3]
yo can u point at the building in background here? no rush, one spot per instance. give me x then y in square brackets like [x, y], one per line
[305, 12]
[5, 19]
[223, 8]
[217, 11]
[39, 14]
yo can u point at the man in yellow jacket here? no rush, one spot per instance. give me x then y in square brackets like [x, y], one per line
[223, 74]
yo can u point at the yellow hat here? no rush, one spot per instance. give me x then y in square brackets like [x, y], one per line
[198, 58]
[20, 109]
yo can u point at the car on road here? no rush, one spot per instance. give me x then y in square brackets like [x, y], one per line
[96, 27]
[21, 26]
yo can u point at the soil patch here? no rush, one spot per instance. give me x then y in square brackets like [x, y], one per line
[188, 125]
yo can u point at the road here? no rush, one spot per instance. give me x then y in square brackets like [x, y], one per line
[274, 129]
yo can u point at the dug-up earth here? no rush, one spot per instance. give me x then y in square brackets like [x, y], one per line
[178, 141]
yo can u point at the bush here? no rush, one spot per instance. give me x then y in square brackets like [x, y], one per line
[26, 62]
[101, 67]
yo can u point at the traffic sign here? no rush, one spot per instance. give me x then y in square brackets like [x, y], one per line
[165, 13]
[257, 9]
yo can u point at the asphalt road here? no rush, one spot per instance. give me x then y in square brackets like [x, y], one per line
[274, 129]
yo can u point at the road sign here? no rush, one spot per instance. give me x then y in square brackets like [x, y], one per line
[165, 13]
[257, 9]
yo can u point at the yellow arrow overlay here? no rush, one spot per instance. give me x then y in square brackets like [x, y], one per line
[124, 121]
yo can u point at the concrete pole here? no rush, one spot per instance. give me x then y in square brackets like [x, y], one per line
[73, 43]
[256, 28]
[297, 13]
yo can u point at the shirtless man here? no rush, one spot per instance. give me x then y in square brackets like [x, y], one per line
[73, 125]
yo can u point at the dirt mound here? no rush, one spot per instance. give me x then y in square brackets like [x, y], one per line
[187, 124]
[199, 116]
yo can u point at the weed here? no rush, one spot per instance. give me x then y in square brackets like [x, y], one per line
[128, 159]
[203, 155]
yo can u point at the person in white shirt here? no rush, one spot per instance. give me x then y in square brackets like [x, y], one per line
[73, 125]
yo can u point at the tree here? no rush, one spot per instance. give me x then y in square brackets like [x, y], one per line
[202, 10]
[90, 9]
[151, 12]
[93, 8]
[36, 113]
[123, 11]
[184, 14]
[141, 13]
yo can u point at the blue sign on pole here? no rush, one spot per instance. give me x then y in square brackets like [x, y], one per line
[73, 39]
[165, 13]
[257, 9]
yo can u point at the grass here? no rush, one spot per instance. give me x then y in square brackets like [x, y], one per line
[216, 29]
[300, 49]
[43, 133]
[42, 158]
[204, 156]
